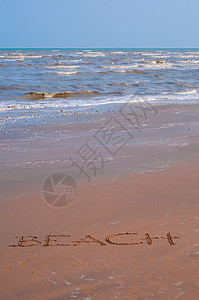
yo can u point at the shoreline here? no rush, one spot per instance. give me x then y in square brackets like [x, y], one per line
[168, 138]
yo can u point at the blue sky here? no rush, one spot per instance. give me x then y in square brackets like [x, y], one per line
[99, 24]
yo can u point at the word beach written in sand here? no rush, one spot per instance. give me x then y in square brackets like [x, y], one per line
[119, 239]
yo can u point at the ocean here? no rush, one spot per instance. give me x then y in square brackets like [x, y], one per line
[74, 78]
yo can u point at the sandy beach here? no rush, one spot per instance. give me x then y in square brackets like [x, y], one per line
[131, 230]
[99, 150]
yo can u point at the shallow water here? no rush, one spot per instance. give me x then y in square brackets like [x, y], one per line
[76, 78]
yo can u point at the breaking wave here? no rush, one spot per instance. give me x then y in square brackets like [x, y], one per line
[62, 67]
[66, 73]
[67, 94]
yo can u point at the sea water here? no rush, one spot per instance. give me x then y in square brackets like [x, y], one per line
[74, 78]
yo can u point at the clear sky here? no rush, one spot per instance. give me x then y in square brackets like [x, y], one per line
[99, 23]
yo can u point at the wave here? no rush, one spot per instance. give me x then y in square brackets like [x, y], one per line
[162, 56]
[157, 61]
[117, 52]
[148, 53]
[66, 73]
[67, 94]
[187, 56]
[119, 66]
[19, 57]
[149, 64]
[156, 64]
[118, 84]
[74, 103]
[93, 54]
[75, 60]
[134, 71]
[155, 55]
[13, 87]
[183, 92]
[189, 61]
[62, 67]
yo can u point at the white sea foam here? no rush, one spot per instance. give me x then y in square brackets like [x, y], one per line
[155, 64]
[119, 66]
[93, 54]
[187, 92]
[66, 73]
[98, 100]
[21, 57]
[117, 52]
[62, 67]
[188, 56]
[192, 61]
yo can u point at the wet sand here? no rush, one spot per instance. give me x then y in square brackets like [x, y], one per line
[132, 232]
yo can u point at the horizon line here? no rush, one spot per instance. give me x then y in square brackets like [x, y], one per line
[95, 48]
